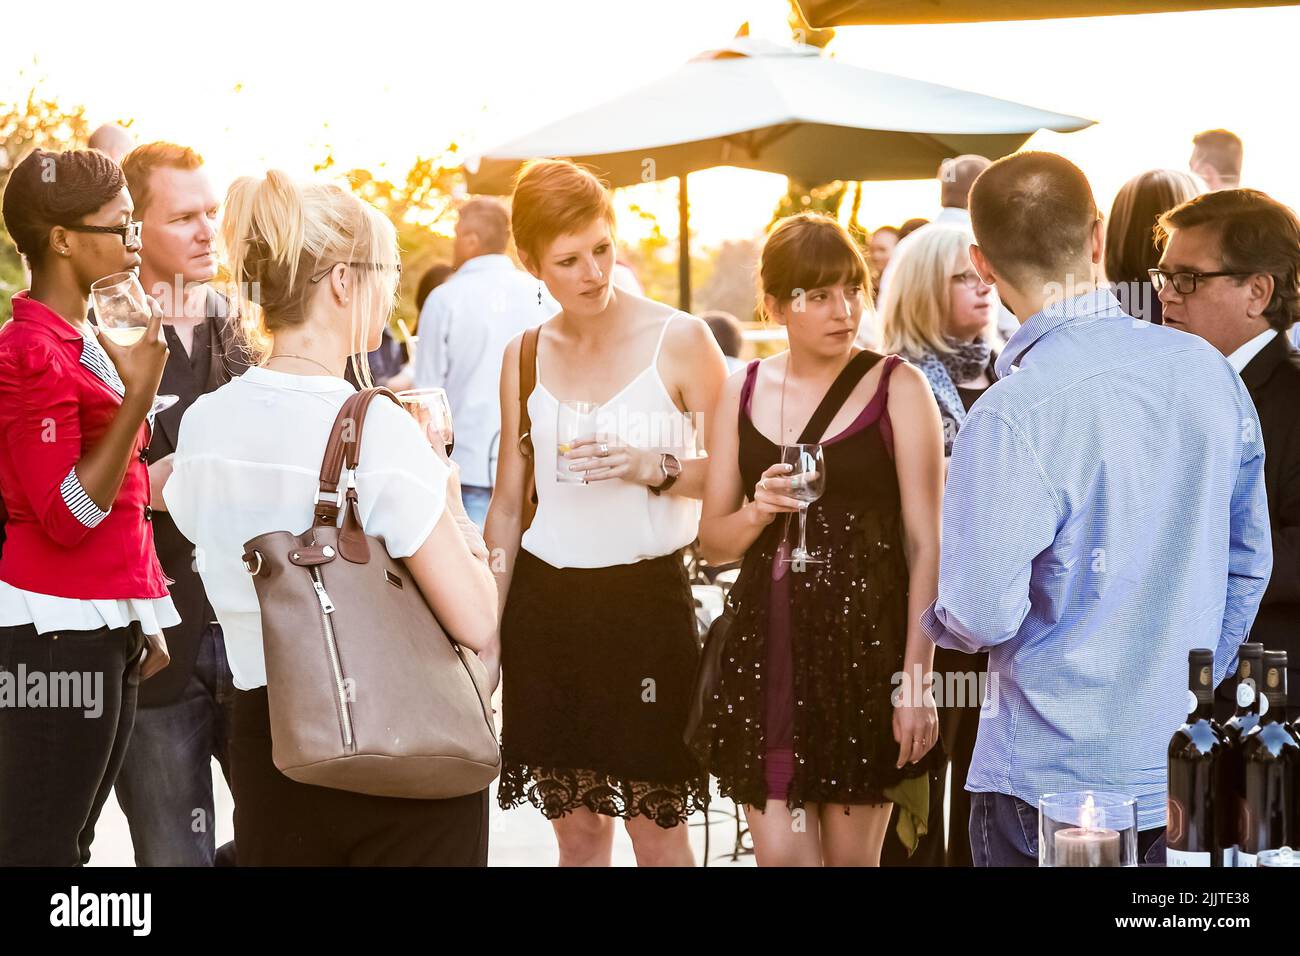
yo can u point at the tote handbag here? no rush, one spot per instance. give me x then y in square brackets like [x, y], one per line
[367, 692]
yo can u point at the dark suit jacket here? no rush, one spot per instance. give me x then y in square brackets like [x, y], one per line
[217, 356]
[1273, 379]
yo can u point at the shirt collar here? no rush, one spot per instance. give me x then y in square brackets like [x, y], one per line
[1057, 315]
[953, 214]
[1241, 358]
[492, 261]
[259, 375]
[27, 309]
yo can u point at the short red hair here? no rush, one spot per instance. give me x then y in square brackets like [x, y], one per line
[552, 198]
[140, 163]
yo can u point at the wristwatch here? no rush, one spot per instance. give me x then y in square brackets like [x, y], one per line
[672, 469]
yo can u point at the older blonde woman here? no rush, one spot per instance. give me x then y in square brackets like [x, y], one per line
[938, 314]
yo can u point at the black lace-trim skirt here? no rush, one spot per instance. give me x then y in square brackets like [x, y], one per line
[598, 666]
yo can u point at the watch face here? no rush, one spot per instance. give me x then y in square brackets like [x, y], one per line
[672, 466]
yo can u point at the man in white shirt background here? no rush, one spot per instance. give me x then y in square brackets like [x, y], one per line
[465, 326]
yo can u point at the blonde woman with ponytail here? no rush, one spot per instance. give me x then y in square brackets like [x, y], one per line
[316, 270]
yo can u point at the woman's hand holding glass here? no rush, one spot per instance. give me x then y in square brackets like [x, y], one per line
[140, 364]
[773, 495]
[595, 458]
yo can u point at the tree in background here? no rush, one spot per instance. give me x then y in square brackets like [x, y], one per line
[34, 123]
[421, 206]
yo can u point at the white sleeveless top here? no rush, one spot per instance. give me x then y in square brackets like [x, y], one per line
[611, 522]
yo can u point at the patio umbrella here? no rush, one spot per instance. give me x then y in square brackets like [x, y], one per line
[843, 13]
[781, 109]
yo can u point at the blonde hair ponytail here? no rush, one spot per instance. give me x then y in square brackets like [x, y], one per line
[277, 234]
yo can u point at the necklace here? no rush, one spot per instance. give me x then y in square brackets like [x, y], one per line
[303, 358]
[785, 376]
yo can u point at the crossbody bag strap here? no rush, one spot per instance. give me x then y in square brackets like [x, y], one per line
[837, 395]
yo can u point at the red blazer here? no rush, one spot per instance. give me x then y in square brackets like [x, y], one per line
[55, 402]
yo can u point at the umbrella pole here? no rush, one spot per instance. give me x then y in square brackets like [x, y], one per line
[683, 246]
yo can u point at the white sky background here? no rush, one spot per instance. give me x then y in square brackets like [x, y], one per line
[251, 85]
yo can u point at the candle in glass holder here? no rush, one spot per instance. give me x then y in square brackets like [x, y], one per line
[1086, 846]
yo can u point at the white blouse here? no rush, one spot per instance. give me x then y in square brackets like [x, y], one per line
[248, 462]
[605, 523]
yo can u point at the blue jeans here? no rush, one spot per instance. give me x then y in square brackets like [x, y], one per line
[476, 503]
[1004, 832]
[165, 785]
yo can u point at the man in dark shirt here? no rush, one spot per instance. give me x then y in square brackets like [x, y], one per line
[182, 721]
[1231, 274]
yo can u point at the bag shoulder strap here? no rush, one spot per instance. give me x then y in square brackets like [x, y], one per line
[838, 394]
[344, 448]
[527, 382]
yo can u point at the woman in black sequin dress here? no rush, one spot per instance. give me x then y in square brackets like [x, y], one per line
[802, 729]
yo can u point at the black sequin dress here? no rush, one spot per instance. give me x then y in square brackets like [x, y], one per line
[803, 709]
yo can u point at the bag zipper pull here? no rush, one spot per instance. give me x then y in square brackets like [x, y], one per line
[326, 604]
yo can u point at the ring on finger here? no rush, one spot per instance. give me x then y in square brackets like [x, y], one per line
[603, 450]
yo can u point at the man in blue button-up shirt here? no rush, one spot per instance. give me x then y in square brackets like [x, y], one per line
[1104, 514]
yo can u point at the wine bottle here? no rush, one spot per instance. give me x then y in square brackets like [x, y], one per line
[1232, 774]
[1270, 755]
[1192, 825]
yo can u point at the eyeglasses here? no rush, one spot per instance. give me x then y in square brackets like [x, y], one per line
[381, 266]
[1184, 283]
[969, 279]
[129, 232]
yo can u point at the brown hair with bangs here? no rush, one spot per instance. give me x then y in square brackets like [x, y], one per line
[809, 251]
[553, 198]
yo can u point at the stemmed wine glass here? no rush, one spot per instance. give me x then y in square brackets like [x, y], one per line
[431, 409]
[122, 312]
[807, 483]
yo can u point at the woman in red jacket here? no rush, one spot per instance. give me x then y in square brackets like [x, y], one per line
[83, 600]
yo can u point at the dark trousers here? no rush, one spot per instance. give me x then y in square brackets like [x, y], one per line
[1004, 832]
[165, 786]
[59, 756]
[280, 822]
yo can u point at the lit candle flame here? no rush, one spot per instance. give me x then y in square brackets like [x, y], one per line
[1088, 815]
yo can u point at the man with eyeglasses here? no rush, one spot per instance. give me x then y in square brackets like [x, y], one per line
[182, 720]
[1104, 515]
[1230, 273]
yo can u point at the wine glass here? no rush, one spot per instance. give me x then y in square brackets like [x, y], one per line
[122, 312]
[430, 408]
[807, 483]
[573, 420]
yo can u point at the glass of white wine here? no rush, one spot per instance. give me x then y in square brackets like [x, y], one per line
[122, 312]
[574, 420]
[432, 410]
[808, 482]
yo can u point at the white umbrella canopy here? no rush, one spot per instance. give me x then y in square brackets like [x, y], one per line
[781, 109]
[838, 13]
